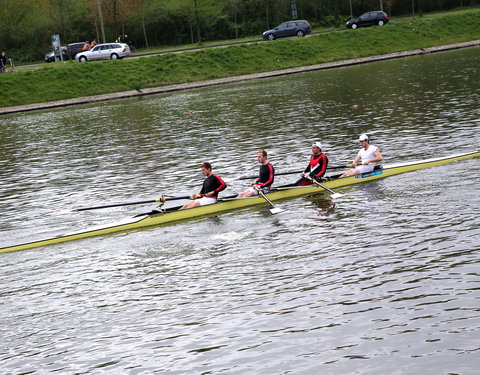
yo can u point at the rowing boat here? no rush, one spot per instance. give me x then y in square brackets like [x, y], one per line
[172, 215]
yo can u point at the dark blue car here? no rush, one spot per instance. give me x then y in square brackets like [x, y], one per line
[50, 57]
[290, 28]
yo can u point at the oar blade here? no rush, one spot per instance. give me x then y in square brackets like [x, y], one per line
[276, 210]
[336, 195]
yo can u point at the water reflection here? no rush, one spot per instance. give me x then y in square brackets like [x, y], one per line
[325, 207]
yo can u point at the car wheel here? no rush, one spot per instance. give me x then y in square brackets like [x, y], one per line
[82, 58]
[380, 23]
[354, 26]
[271, 37]
[300, 33]
[113, 56]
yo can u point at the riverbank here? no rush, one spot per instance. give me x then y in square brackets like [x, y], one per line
[222, 81]
[75, 83]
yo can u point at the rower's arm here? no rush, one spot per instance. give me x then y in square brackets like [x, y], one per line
[307, 169]
[356, 160]
[378, 157]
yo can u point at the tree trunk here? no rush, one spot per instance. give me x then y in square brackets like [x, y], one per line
[191, 30]
[115, 21]
[336, 13]
[197, 21]
[62, 18]
[235, 22]
[144, 30]
[267, 13]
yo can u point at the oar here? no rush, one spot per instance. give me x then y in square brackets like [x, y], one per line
[274, 210]
[157, 200]
[291, 172]
[334, 195]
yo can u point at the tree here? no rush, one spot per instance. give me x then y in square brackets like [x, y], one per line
[25, 26]
[336, 13]
[64, 14]
[196, 12]
[234, 8]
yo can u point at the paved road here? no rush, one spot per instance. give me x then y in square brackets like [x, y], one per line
[180, 50]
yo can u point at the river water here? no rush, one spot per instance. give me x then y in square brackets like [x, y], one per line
[382, 281]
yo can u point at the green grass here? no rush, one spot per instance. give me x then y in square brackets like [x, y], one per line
[49, 82]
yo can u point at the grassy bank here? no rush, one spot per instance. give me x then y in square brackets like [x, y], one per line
[72, 79]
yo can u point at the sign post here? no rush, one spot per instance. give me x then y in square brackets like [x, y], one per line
[57, 47]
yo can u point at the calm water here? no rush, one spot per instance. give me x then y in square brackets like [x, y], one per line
[382, 281]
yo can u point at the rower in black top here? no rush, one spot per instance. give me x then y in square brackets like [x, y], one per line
[265, 179]
[212, 185]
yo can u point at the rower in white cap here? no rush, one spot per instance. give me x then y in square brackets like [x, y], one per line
[316, 168]
[369, 155]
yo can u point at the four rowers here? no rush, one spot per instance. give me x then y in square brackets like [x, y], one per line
[369, 155]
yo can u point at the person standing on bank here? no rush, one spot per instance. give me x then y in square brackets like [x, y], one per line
[265, 179]
[316, 168]
[369, 155]
[212, 185]
[3, 61]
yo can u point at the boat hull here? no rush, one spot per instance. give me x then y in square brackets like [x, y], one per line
[155, 219]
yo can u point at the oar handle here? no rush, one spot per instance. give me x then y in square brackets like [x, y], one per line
[169, 198]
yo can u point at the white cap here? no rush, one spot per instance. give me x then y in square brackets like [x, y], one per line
[363, 137]
[318, 144]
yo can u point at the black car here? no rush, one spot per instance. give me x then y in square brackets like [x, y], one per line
[50, 57]
[377, 18]
[74, 48]
[290, 28]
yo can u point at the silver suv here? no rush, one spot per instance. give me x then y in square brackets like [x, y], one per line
[106, 51]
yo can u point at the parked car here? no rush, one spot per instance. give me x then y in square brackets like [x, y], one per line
[106, 51]
[74, 48]
[50, 57]
[378, 18]
[290, 28]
